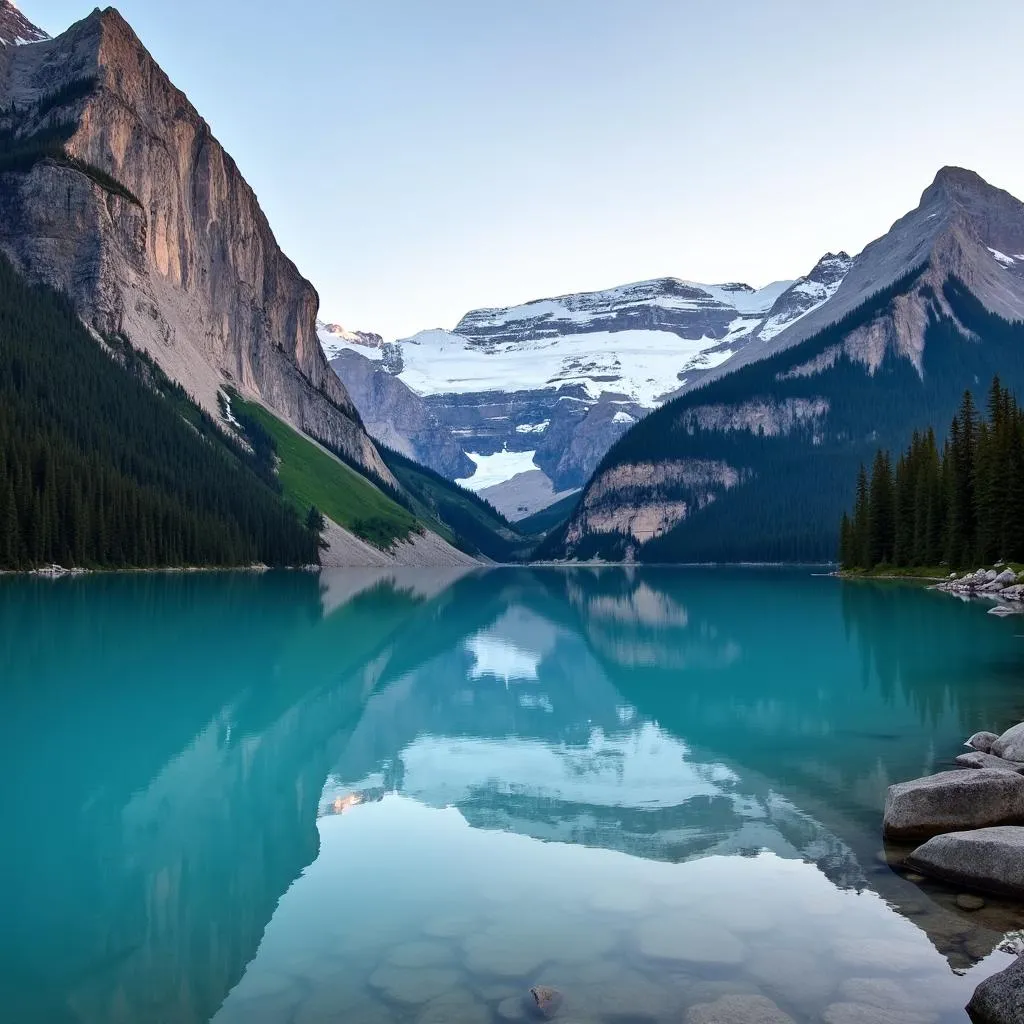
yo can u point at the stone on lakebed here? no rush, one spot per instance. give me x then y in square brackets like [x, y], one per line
[738, 1009]
[989, 859]
[968, 798]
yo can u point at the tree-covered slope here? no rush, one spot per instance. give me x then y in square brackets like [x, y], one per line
[760, 464]
[105, 463]
[463, 518]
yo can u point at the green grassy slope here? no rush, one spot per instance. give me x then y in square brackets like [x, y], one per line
[460, 516]
[311, 476]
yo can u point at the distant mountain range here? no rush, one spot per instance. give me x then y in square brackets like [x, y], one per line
[757, 463]
[522, 402]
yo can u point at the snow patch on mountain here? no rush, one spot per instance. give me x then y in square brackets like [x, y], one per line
[493, 469]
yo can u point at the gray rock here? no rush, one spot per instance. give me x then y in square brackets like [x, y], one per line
[1011, 744]
[968, 798]
[1000, 999]
[968, 901]
[1002, 610]
[976, 759]
[738, 1009]
[990, 859]
[982, 741]
[546, 999]
[1006, 577]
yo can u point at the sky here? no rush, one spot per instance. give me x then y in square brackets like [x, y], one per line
[421, 158]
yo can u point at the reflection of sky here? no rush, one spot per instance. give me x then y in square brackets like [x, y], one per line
[497, 657]
[645, 768]
[512, 648]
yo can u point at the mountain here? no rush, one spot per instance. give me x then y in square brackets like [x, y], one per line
[757, 462]
[15, 28]
[104, 462]
[114, 190]
[539, 392]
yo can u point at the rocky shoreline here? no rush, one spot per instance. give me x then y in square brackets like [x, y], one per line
[1002, 584]
[969, 823]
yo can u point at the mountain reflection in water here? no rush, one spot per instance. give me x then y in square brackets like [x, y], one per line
[198, 766]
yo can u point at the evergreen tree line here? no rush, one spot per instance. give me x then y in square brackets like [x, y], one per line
[105, 463]
[958, 505]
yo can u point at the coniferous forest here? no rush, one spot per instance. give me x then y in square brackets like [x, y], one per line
[955, 505]
[104, 462]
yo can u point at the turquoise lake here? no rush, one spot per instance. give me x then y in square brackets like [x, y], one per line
[368, 796]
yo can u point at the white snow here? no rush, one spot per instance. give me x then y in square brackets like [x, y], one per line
[818, 292]
[642, 365]
[334, 338]
[533, 428]
[1007, 261]
[622, 417]
[494, 469]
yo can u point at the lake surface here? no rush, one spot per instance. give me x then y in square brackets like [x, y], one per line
[409, 796]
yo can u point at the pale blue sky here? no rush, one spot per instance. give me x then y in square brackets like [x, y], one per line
[418, 158]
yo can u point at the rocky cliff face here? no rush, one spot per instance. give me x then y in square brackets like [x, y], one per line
[149, 226]
[874, 348]
[15, 28]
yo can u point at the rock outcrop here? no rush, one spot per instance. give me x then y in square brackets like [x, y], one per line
[127, 202]
[990, 859]
[969, 798]
[1000, 999]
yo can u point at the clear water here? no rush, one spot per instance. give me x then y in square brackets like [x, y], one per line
[370, 797]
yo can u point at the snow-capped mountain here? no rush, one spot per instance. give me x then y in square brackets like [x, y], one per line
[552, 383]
[15, 28]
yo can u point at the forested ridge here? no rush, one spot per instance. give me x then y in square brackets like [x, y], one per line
[104, 462]
[957, 506]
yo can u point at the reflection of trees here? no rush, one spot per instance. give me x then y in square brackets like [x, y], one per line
[164, 803]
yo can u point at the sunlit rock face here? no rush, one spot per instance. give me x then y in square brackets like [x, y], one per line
[153, 232]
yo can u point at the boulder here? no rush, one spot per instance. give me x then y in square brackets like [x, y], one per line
[1010, 745]
[982, 741]
[1014, 592]
[1006, 577]
[976, 759]
[1002, 610]
[990, 859]
[968, 798]
[1000, 999]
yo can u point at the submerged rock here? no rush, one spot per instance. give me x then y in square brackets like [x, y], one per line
[1011, 744]
[738, 1009]
[968, 798]
[982, 741]
[968, 901]
[976, 759]
[863, 1013]
[546, 999]
[1000, 999]
[990, 859]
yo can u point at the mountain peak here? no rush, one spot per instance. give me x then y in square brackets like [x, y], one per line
[15, 28]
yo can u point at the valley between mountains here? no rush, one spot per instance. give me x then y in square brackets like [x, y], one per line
[663, 420]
